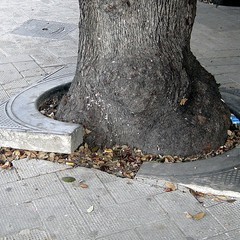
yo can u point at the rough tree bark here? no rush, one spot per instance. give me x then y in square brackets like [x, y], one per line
[138, 83]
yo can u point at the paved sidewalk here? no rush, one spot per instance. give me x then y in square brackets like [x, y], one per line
[35, 201]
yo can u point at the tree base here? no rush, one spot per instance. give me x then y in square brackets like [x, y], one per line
[137, 103]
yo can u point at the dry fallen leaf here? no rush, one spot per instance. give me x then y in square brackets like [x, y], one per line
[70, 164]
[168, 158]
[87, 131]
[90, 209]
[197, 194]
[8, 154]
[17, 154]
[223, 199]
[51, 156]
[7, 165]
[83, 185]
[188, 215]
[199, 216]
[69, 179]
[183, 101]
[231, 200]
[42, 155]
[169, 187]
[229, 132]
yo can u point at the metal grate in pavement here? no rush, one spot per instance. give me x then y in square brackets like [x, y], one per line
[5, 121]
[45, 29]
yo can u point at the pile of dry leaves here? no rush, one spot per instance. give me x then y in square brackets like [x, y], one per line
[121, 161]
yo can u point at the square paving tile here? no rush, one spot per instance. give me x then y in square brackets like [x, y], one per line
[129, 190]
[8, 73]
[27, 168]
[7, 176]
[96, 194]
[128, 235]
[228, 214]
[29, 189]
[122, 217]
[29, 69]
[28, 234]
[18, 217]
[164, 230]
[178, 204]
[61, 217]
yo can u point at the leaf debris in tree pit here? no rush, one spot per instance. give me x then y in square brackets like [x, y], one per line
[183, 101]
[121, 161]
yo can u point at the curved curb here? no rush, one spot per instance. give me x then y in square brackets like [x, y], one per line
[232, 98]
[23, 108]
[218, 173]
[34, 131]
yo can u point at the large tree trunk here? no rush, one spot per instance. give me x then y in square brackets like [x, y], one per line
[138, 83]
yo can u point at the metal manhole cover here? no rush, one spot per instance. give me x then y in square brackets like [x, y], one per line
[45, 29]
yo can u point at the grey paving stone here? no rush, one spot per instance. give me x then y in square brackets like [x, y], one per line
[27, 168]
[228, 78]
[7, 176]
[128, 235]
[29, 69]
[69, 60]
[29, 189]
[220, 61]
[235, 234]
[228, 214]
[122, 217]
[3, 95]
[18, 217]
[223, 69]
[33, 80]
[64, 71]
[14, 59]
[61, 217]
[44, 58]
[224, 236]
[59, 48]
[2, 56]
[151, 181]
[8, 73]
[105, 177]
[14, 86]
[164, 230]
[126, 190]
[28, 234]
[177, 204]
[96, 194]
[203, 16]
[209, 201]
[52, 69]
